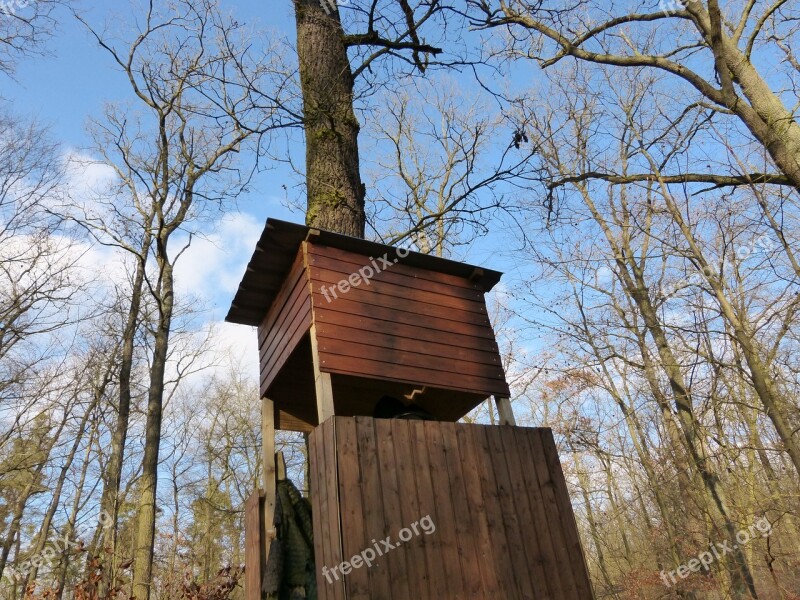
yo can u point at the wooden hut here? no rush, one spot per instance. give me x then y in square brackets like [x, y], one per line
[344, 325]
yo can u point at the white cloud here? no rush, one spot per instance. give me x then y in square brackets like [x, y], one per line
[86, 175]
[213, 265]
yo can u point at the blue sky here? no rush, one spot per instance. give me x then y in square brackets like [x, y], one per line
[75, 78]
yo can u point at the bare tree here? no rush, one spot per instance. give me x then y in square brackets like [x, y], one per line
[328, 35]
[442, 160]
[199, 85]
[748, 46]
[24, 27]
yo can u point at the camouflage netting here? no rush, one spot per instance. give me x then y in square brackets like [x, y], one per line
[290, 572]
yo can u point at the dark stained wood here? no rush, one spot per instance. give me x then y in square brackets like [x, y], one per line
[332, 255]
[505, 442]
[495, 515]
[364, 367]
[325, 512]
[360, 315]
[516, 541]
[392, 503]
[286, 323]
[445, 514]
[410, 326]
[278, 246]
[254, 559]
[380, 339]
[293, 391]
[401, 324]
[358, 395]
[435, 545]
[539, 514]
[377, 336]
[374, 296]
[496, 495]
[470, 569]
[559, 541]
[318, 463]
[391, 284]
[487, 555]
[567, 517]
[376, 522]
[297, 311]
[333, 510]
[277, 312]
[418, 577]
[355, 538]
[408, 358]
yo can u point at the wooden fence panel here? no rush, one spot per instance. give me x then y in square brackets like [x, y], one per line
[449, 511]
[254, 558]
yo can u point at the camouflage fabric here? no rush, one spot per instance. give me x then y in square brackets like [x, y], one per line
[290, 572]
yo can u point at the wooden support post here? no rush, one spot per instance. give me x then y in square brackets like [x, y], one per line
[254, 558]
[322, 383]
[268, 457]
[505, 411]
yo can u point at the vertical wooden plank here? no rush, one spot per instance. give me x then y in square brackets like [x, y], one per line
[253, 558]
[434, 544]
[511, 520]
[501, 551]
[333, 524]
[325, 513]
[316, 493]
[445, 524]
[268, 460]
[474, 498]
[553, 571]
[546, 487]
[393, 515]
[322, 382]
[505, 411]
[354, 537]
[529, 531]
[566, 515]
[380, 578]
[418, 577]
[464, 530]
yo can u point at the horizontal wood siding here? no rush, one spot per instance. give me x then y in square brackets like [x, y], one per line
[285, 324]
[504, 525]
[403, 324]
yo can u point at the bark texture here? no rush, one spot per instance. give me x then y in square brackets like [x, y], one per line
[333, 180]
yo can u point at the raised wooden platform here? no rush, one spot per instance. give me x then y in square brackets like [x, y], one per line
[504, 525]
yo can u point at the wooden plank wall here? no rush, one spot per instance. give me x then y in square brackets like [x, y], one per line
[504, 525]
[285, 324]
[254, 555]
[408, 324]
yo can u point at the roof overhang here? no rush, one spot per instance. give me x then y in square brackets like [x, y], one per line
[278, 246]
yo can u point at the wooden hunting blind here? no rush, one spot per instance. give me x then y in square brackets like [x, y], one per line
[345, 324]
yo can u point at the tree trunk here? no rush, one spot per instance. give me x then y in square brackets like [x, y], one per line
[44, 530]
[76, 506]
[597, 536]
[631, 274]
[743, 332]
[764, 113]
[333, 180]
[109, 502]
[146, 512]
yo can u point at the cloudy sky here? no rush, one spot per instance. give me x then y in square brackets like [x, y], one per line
[73, 82]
